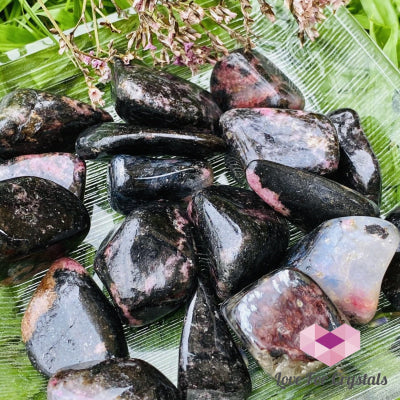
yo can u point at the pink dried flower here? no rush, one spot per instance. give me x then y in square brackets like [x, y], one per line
[150, 46]
[96, 96]
[105, 73]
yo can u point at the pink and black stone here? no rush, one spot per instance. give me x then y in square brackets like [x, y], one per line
[111, 139]
[391, 280]
[304, 198]
[70, 321]
[247, 80]
[358, 167]
[210, 364]
[269, 316]
[348, 257]
[148, 264]
[117, 379]
[244, 237]
[151, 97]
[135, 181]
[39, 222]
[65, 169]
[298, 139]
[34, 122]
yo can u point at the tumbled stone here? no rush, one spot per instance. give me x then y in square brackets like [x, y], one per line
[33, 122]
[153, 97]
[358, 167]
[298, 139]
[269, 316]
[69, 321]
[148, 264]
[210, 364]
[135, 181]
[65, 169]
[347, 258]
[245, 79]
[117, 379]
[304, 198]
[245, 238]
[39, 221]
[110, 139]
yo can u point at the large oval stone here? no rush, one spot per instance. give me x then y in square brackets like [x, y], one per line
[65, 169]
[32, 121]
[134, 181]
[39, 221]
[244, 237]
[69, 321]
[305, 199]
[348, 258]
[269, 316]
[148, 264]
[245, 79]
[358, 167]
[153, 97]
[210, 364]
[130, 379]
[110, 139]
[298, 139]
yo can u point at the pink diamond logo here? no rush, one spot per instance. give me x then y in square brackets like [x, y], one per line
[330, 347]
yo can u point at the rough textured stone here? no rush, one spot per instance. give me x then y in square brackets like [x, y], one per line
[305, 199]
[148, 264]
[269, 316]
[69, 321]
[246, 80]
[37, 122]
[348, 257]
[210, 365]
[135, 181]
[244, 236]
[298, 139]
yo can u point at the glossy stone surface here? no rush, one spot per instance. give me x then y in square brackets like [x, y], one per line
[135, 181]
[246, 80]
[69, 321]
[65, 169]
[269, 316]
[210, 365]
[347, 258]
[39, 221]
[153, 97]
[391, 280]
[148, 264]
[109, 139]
[358, 167]
[298, 139]
[305, 199]
[245, 238]
[37, 122]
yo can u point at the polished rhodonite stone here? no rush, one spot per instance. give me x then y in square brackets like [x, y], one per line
[298, 139]
[210, 364]
[39, 221]
[304, 198]
[148, 264]
[269, 316]
[69, 321]
[109, 139]
[391, 280]
[157, 98]
[65, 169]
[348, 257]
[244, 237]
[246, 80]
[358, 167]
[118, 379]
[134, 181]
[37, 122]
